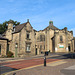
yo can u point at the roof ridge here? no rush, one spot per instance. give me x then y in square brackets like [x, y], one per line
[20, 24]
[51, 27]
[19, 27]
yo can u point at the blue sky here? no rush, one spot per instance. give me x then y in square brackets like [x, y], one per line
[40, 12]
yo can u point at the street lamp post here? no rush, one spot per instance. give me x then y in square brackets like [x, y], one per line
[45, 60]
[16, 50]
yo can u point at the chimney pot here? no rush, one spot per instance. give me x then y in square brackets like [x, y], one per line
[27, 20]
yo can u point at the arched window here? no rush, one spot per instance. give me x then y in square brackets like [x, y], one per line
[61, 38]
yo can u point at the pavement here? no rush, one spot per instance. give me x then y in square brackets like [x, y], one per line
[17, 58]
[57, 64]
[69, 70]
[27, 57]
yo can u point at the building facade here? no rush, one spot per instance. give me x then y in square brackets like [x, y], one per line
[24, 40]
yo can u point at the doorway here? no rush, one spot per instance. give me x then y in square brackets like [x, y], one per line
[36, 51]
[69, 48]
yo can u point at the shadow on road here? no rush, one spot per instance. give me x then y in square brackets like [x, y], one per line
[4, 69]
[63, 56]
[70, 55]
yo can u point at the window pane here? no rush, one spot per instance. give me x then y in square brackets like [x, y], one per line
[28, 36]
[61, 38]
[42, 37]
[28, 47]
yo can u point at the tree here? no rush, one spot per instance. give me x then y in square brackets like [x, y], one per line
[4, 25]
[15, 23]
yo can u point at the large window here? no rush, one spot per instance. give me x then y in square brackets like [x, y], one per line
[40, 47]
[61, 38]
[42, 37]
[0, 48]
[27, 47]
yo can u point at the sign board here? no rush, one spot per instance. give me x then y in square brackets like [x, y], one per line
[61, 46]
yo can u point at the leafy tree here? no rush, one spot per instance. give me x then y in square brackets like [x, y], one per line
[15, 23]
[4, 25]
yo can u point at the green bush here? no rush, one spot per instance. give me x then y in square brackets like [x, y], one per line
[12, 56]
[9, 54]
[3, 56]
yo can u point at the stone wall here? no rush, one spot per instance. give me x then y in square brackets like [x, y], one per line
[3, 44]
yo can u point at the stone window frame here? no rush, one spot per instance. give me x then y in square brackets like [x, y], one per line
[28, 51]
[41, 38]
[28, 35]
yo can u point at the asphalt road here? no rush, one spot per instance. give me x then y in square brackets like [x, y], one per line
[15, 65]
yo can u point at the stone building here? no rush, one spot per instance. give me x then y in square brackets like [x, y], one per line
[3, 45]
[73, 41]
[24, 40]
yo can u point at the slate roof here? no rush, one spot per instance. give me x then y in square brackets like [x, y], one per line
[19, 27]
[2, 38]
[52, 27]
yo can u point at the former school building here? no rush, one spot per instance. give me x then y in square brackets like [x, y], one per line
[23, 40]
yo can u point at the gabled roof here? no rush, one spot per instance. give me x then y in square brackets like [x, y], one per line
[52, 27]
[19, 27]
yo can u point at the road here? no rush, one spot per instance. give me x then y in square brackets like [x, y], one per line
[25, 63]
[16, 65]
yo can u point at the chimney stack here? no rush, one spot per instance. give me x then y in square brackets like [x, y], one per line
[10, 24]
[27, 20]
